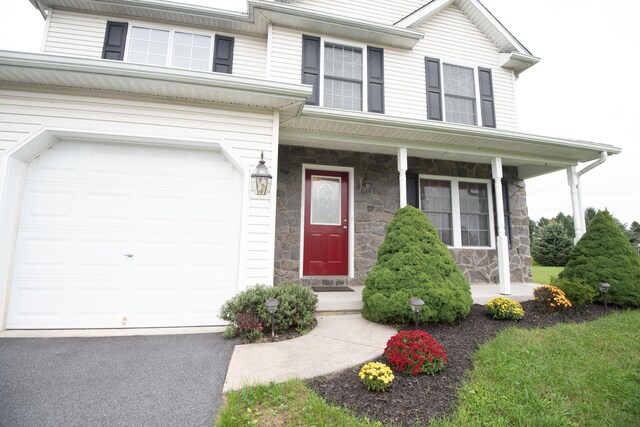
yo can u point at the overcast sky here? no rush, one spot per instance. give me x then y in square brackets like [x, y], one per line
[587, 86]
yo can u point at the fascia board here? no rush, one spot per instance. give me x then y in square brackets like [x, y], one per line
[390, 35]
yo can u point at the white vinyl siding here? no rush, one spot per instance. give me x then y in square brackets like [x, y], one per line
[82, 35]
[75, 34]
[286, 55]
[379, 11]
[451, 37]
[246, 134]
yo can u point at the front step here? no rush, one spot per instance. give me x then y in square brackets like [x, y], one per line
[340, 302]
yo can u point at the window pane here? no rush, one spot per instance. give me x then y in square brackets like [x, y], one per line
[342, 94]
[149, 46]
[460, 94]
[343, 77]
[474, 214]
[191, 51]
[325, 200]
[460, 110]
[436, 203]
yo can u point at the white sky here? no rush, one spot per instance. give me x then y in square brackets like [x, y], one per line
[587, 86]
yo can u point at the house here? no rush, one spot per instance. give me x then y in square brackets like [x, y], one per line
[129, 142]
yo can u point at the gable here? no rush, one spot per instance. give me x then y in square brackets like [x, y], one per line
[451, 34]
[382, 12]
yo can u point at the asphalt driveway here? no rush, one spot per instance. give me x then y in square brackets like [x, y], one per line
[169, 380]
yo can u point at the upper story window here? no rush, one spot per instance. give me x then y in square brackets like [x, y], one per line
[459, 94]
[459, 208]
[343, 76]
[167, 47]
[343, 71]
[454, 86]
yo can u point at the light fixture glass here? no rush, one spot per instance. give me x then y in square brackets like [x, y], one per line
[261, 178]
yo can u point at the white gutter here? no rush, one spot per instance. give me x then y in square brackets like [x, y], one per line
[583, 226]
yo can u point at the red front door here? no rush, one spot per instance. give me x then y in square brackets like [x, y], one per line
[326, 223]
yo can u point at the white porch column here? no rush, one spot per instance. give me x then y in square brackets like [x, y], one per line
[402, 170]
[501, 241]
[572, 178]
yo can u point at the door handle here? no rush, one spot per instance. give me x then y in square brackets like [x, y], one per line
[345, 227]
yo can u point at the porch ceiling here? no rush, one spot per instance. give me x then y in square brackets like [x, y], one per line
[356, 131]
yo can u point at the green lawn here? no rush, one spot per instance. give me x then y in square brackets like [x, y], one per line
[542, 275]
[571, 374]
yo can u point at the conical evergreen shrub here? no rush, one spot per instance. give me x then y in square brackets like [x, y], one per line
[413, 262]
[604, 254]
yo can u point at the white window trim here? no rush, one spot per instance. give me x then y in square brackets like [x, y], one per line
[455, 208]
[363, 47]
[172, 32]
[476, 83]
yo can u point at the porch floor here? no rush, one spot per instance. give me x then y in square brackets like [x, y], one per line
[351, 302]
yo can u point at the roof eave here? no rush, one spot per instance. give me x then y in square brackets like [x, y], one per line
[133, 79]
[312, 21]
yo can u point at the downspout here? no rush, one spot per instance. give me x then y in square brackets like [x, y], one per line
[601, 160]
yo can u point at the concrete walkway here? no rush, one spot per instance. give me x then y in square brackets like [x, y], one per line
[336, 343]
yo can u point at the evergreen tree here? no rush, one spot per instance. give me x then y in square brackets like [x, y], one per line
[552, 246]
[413, 262]
[604, 254]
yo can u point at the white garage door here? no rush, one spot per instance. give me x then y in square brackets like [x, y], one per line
[125, 236]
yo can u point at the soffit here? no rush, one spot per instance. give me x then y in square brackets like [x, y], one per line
[383, 134]
[166, 83]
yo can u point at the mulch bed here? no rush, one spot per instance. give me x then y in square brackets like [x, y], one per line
[420, 398]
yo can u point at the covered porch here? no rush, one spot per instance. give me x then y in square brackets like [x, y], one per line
[391, 161]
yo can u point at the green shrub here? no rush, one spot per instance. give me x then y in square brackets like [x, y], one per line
[552, 245]
[604, 254]
[503, 308]
[578, 292]
[296, 310]
[413, 262]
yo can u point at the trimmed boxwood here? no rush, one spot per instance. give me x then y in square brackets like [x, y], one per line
[413, 262]
[604, 254]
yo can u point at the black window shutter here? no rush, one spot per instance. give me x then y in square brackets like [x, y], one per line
[506, 213]
[434, 89]
[115, 38]
[311, 67]
[223, 54]
[375, 69]
[413, 190]
[486, 98]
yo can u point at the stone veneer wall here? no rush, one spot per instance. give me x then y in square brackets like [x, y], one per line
[374, 209]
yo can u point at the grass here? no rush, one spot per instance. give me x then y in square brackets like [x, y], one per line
[570, 374]
[542, 275]
[286, 404]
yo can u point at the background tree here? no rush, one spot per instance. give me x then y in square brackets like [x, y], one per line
[567, 222]
[552, 245]
[589, 213]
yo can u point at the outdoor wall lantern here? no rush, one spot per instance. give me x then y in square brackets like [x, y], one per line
[416, 306]
[261, 178]
[604, 288]
[271, 305]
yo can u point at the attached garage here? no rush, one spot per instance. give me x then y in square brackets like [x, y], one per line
[114, 235]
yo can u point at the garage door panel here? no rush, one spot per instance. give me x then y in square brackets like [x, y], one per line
[86, 206]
